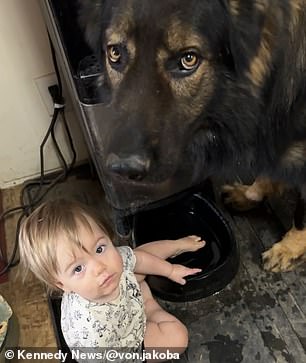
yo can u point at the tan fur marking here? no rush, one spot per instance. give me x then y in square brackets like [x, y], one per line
[189, 88]
[286, 254]
[161, 57]
[296, 10]
[245, 197]
[235, 196]
[117, 33]
[264, 187]
[295, 156]
[181, 36]
[114, 76]
[261, 63]
[234, 7]
[296, 6]
[120, 25]
[261, 5]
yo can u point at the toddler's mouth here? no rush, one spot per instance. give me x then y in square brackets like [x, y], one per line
[107, 280]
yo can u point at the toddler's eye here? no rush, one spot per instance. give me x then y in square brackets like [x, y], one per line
[100, 249]
[78, 269]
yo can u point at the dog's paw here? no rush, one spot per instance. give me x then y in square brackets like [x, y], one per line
[279, 258]
[237, 197]
[286, 254]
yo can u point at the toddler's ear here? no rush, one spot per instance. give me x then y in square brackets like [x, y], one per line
[59, 285]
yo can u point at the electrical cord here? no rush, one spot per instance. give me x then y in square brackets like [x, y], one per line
[41, 192]
[57, 72]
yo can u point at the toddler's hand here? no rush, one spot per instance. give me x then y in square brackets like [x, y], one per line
[179, 272]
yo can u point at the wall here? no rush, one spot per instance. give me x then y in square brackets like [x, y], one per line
[25, 67]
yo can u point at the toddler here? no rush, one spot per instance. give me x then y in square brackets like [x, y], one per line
[106, 303]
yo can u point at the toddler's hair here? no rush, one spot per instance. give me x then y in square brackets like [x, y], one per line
[44, 228]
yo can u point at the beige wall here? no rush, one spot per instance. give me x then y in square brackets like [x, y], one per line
[25, 64]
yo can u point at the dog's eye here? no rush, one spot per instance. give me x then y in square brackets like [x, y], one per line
[114, 53]
[189, 61]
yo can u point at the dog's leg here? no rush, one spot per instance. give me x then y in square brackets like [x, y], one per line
[291, 250]
[244, 197]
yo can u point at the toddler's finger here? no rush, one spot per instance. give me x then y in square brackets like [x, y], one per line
[193, 271]
[195, 237]
[200, 240]
[182, 282]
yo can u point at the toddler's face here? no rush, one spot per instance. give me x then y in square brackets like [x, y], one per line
[93, 273]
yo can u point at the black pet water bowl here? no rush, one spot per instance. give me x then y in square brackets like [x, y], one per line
[191, 215]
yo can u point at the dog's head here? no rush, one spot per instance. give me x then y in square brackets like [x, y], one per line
[174, 83]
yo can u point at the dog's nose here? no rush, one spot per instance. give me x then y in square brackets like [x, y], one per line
[134, 167]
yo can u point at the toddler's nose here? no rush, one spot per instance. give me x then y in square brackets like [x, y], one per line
[98, 268]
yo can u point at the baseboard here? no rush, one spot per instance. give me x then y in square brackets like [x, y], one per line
[13, 183]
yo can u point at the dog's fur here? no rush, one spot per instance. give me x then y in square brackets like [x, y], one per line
[198, 87]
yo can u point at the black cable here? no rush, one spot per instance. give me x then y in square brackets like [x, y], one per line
[58, 150]
[10, 262]
[58, 75]
[74, 154]
[66, 168]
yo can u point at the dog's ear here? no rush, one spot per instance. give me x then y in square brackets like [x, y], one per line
[90, 17]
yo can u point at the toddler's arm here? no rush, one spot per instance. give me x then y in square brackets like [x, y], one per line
[148, 264]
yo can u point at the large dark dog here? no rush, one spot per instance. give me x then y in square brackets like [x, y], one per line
[193, 88]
